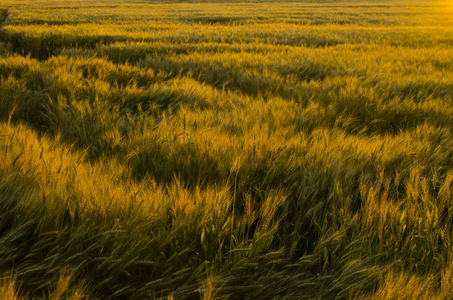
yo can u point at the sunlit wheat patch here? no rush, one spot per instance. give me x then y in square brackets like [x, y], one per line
[226, 150]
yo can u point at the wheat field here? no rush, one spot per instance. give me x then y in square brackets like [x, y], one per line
[226, 149]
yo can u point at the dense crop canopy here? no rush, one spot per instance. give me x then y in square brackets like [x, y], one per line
[226, 150]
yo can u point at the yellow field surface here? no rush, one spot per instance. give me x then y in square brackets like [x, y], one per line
[226, 150]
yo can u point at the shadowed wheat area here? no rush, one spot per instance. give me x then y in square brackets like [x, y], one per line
[226, 150]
